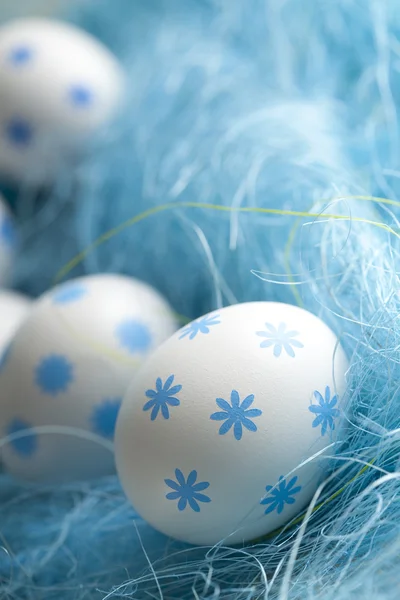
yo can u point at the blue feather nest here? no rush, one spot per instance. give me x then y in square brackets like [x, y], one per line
[262, 139]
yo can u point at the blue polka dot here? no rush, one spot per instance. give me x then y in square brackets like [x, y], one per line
[20, 55]
[81, 96]
[26, 445]
[104, 417]
[54, 374]
[69, 293]
[7, 231]
[133, 335]
[19, 132]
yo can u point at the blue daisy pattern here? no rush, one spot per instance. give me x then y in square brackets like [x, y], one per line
[280, 339]
[26, 445]
[69, 293]
[187, 491]
[162, 397]
[236, 415]
[54, 374]
[325, 410]
[202, 325]
[104, 417]
[20, 55]
[7, 231]
[81, 96]
[281, 494]
[134, 336]
[19, 132]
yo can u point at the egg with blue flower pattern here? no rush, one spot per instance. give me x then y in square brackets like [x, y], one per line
[222, 434]
[66, 370]
[58, 86]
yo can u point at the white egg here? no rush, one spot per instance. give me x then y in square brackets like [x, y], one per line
[58, 85]
[215, 424]
[7, 242]
[14, 308]
[68, 366]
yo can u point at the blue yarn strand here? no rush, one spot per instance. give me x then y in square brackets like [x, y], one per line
[252, 103]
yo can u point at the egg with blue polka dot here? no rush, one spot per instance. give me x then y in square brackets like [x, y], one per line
[8, 239]
[225, 433]
[58, 86]
[66, 370]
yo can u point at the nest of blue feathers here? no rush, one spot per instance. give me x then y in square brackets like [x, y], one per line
[256, 158]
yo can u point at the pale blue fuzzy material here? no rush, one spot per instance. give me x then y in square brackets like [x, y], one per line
[254, 103]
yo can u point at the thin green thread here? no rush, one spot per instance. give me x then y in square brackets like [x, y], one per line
[229, 209]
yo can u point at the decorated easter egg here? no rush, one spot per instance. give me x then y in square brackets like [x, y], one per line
[14, 308]
[58, 85]
[215, 432]
[66, 370]
[7, 242]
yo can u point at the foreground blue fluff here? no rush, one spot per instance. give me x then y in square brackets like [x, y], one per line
[252, 103]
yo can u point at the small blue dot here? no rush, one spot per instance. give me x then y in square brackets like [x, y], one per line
[104, 417]
[20, 55]
[54, 374]
[7, 232]
[19, 132]
[69, 293]
[133, 335]
[24, 446]
[81, 96]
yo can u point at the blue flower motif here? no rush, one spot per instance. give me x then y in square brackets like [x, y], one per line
[24, 446]
[69, 293]
[161, 397]
[133, 335]
[19, 132]
[7, 232]
[54, 374]
[325, 411]
[81, 96]
[280, 494]
[280, 339]
[104, 417]
[188, 491]
[236, 415]
[20, 55]
[5, 356]
[201, 325]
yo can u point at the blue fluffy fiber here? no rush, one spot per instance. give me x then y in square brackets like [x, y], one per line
[259, 151]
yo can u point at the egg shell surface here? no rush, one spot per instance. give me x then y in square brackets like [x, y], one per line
[215, 424]
[58, 85]
[14, 308]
